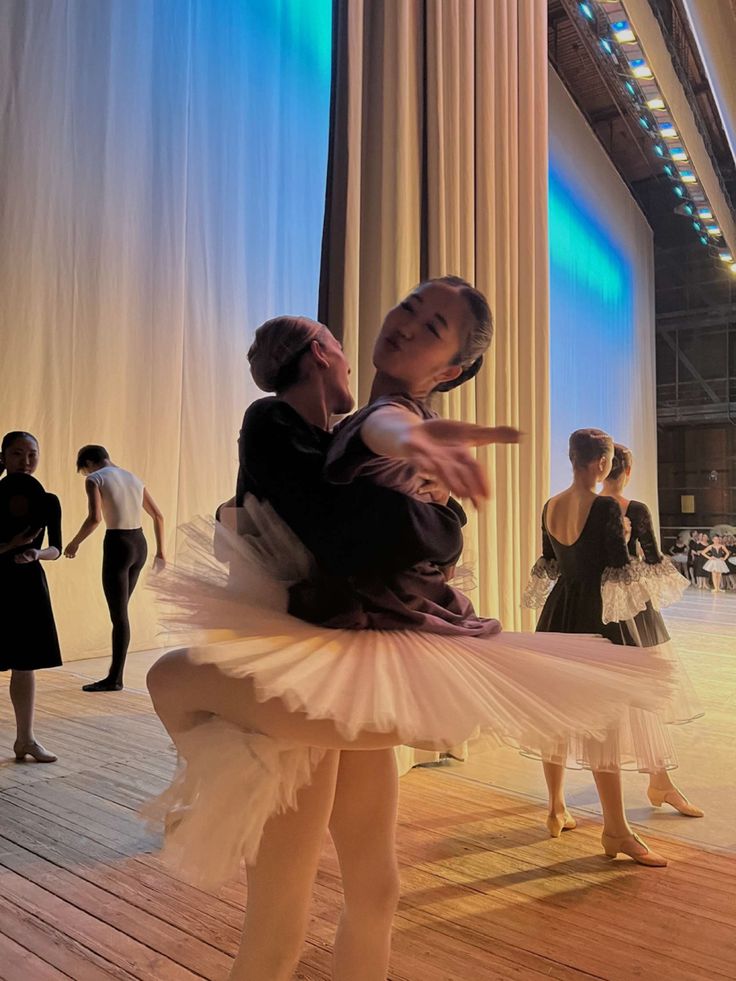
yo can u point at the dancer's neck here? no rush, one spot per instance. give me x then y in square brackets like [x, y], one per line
[387, 385]
[311, 405]
[584, 482]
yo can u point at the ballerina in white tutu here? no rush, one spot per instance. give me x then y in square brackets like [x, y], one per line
[259, 713]
[716, 564]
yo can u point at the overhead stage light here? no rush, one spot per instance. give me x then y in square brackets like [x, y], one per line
[725, 256]
[697, 226]
[659, 149]
[606, 45]
[656, 103]
[688, 177]
[704, 240]
[643, 121]
[679, 190]
[587, 11]
[640, 69]
[713, 230]
[669, 170]
[630, 88]
[668, 131]
[678, 154]
[705, 213]
[732, 267]
[622, 32]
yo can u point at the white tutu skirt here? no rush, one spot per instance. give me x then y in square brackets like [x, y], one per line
[572, 699]
[679, 558]
[716, 565]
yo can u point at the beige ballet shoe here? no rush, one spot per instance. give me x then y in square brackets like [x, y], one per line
[675, 798]
[556, 824]
[631, 845]
[35, 750]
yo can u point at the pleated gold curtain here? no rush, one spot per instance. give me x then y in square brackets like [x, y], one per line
[438, 164]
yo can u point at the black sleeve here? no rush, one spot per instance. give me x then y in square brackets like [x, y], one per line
[614, 543]
[53, 521]
[644, 531]
[548, 551]
[352, 529]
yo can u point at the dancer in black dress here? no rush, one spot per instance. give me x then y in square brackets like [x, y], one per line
[702, 576]
[693, 544]
[587, 584]
[30, 641]
[650, 627]
[679, 554]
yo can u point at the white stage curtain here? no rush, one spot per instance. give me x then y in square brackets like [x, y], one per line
[602, 301]
[162, 171]
[439, 165]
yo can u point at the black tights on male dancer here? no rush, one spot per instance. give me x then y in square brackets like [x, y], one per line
[124, 556]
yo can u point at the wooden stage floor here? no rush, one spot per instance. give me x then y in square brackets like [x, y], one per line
[485, 894]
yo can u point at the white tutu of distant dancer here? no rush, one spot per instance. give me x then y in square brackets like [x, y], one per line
[679, 558]
[562, 697]
[716, 565]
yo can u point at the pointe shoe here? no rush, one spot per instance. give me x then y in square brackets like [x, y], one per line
[34, 749]
[628, 846]
[556, 824]
[675, 798]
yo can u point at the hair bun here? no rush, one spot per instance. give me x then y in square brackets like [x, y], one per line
[276, 346]
[465, 375]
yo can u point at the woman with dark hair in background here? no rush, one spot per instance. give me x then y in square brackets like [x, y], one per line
[679, 554]
[118, 497]
[28, 635]
[664, 589]
[702, 576]
[693, 545]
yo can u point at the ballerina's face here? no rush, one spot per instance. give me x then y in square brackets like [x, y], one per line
[421, 338]
[21, 456]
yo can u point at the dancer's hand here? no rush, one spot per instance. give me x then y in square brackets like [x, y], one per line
[159, 563]
[439, 449]
[454, 466]
[30, 555]
[71, 550]
[437, 491]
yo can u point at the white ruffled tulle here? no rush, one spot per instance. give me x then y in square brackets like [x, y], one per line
[627, 590]
[228, 784]
[542, 578]
[716, 565]
[567, 698]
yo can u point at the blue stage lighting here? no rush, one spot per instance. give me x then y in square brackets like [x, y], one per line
[587, 11]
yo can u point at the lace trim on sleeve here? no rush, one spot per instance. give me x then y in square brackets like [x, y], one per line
[623, 592]
[664, 583]
[544, 574]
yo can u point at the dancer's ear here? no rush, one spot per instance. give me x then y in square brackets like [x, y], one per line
[318, 353]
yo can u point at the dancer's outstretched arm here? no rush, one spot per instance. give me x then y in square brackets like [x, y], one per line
[437, 447]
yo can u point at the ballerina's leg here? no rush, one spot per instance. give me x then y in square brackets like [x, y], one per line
[186, 693]
[281, 881]
[363, 828]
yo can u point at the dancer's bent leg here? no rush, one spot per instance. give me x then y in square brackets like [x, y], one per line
[363, 828]
[186, 693]
[281, 881]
